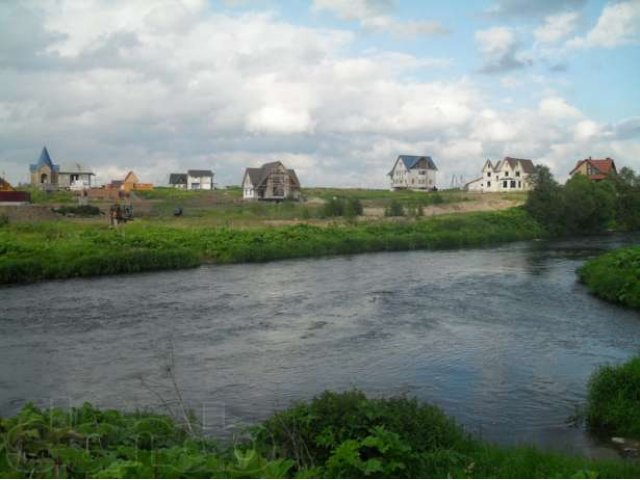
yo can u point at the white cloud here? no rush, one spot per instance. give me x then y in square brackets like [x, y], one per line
[586, 130]
[557, 27]
[499, 48]
[557, 108]
[619, 24]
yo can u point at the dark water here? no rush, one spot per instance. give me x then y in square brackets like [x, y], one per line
[504, 339]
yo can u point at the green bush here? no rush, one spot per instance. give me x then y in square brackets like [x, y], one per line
[394, 209]
[81, 210]
[613, 402]
[614, 276]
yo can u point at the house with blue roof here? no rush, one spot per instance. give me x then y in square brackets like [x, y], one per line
[46, 174]
[413, 172]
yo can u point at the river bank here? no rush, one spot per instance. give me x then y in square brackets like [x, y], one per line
[614, 276]
[53, 250]
[334, 435]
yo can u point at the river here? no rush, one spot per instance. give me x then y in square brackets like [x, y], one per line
[504, 339]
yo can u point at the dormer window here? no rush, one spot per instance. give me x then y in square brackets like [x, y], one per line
[518, 173]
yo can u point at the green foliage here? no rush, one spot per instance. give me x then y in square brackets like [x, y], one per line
[335, 435]
[614, 276]
[583, 206]
[47, 250]
[4, 220]
[80, 210]
[394, 209]
[613, 402]
[350, 207]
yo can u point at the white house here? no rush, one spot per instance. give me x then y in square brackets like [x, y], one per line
[414, 173]
[272, 181]
[178, 180]
[199, 180]
[507, 175]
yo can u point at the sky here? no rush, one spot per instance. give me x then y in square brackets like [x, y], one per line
[336, 89]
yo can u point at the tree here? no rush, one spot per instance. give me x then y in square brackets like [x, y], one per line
[544, 202]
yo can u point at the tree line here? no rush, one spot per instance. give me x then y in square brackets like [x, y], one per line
[582, 206]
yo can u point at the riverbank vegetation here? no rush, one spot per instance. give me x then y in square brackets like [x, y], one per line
[613, 402]
[333, 436]
[582, 206]
[50, 250]
[614, 276]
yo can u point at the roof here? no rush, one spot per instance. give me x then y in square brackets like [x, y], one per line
[5, 186]
[259, 175]
[200, 173]
[177, 178]
[75, 168]
[410, 161]
[603, 166]
[130, 178]
[526, 164]
[44, 160]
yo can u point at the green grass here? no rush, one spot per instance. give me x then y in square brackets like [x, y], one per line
[613, 402]
[614, 276]
[48, 250]
[343, 435]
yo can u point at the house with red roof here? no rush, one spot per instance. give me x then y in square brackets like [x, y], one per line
[595, 169]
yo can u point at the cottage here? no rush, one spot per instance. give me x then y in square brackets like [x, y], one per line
[595, 170]
[178, 180]
[413, 173]
[272, 181]
[199, 180]
[507, 175]
[130, 182]
[44, 173]
[74, 176]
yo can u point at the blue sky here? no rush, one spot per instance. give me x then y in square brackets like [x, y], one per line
[334, 88]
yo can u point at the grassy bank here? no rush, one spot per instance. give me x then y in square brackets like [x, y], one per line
[50, 250]
[613, 403]
[614, 276]
[334, 436]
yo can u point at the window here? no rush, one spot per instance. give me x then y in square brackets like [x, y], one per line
[518, 173]
[506, 174]
[488, 184]
[74, 177]
[513, 184]
[504, 184]
[488, 174]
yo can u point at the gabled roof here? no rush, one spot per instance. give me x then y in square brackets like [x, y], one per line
[410, 161]
[177, 179]
[527, 165]
[258, 176]
[5, 186]
[75, 168]
[603, 166]
[200, 173]
[130, 178]
[44, 160]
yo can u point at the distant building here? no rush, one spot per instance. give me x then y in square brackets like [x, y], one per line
[272, 181]
[507, 175]
[178, 180]
[10, 196]
[130, 183]
[594, 169]
[411, 172]
[46, 174]
[199, 180]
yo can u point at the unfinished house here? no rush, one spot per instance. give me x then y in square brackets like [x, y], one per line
[272, 181]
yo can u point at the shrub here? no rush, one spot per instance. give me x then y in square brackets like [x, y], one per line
[4, 220]
[394, 209]
[613, 402]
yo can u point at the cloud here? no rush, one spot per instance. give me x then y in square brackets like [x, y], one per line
[376, 16]
[499, 48]
[557, 108]
[532, 9]
[619, 24]
[557, 27]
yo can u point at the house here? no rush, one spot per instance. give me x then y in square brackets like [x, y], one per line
[594, 169]
[199, 180]
[507, 175]
[10, 196]
[413, 173]
[44, 173]
[74, 176]
[130, 183]
[178, 180]
[272, 181]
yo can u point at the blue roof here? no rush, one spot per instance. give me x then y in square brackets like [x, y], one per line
[411, 160]
[44, 159]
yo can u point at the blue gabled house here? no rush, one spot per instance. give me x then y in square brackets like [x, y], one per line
[413, 172]
[45, 172]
